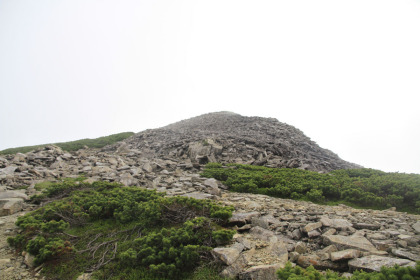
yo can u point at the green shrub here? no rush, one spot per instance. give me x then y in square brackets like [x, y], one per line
[75, 145]
[386, 273]
[356, 187]
[103, 226]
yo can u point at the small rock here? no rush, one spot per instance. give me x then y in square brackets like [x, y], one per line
[312, 226]
[300, 248]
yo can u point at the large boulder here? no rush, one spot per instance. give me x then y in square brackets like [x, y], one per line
[355, 241]
[374, 263]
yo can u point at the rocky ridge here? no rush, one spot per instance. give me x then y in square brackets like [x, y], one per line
[271, 231]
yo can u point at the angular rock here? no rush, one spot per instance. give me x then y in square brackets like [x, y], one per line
[366, 226]
[241, 219]
[345, 255]
[318, 263]
[314, 233]
[374, 263]
[227, 255]
[300, 248]
[10, 206]
[405, 254]
[416, 226]
[263, 234]
[341, 224]
[199, 195]
[266, 272]
[239, 265]
[312, 226]
[355, 241]
[212, 186]
[13, 194]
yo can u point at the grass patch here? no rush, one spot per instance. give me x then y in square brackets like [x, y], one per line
[75, 145]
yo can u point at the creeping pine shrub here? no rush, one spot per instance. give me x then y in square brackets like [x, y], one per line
[386, 273]
[357, 187]
[168, 236]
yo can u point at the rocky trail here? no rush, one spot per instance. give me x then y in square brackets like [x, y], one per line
[271, 231]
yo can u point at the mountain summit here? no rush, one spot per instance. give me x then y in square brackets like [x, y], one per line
[228, 137]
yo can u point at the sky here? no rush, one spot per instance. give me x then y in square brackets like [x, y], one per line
[346, 73]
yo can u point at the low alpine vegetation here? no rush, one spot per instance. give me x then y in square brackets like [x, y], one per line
[356, 187]
[75, 145]
[120, 232]
[386, 273]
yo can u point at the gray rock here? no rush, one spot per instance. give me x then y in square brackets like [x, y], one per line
[9, 170]
[300, 248]
[147, 167]
[416, 226]
[212, 186]
[13, 194]
[9, 206]
[266, 272]
[312, 226]
[199, 195]
[227, 255]
[355, 241]
[261, 233]
[374, 263]
[405, 254]
[241, 219]
[366, 226]
[345, 255]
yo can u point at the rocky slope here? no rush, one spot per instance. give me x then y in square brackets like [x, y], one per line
[229, 137]
[271, 231]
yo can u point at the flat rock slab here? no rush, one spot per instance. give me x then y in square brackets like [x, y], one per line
[345, 255]
[350, 242]
[366, 226]
[335, 223]
[10, 206]
[405, 254]
[416, 226]
[12, 194]
[374, 263]
[266, 272]
[227, 255]
[199, 195]
[312, 226]
[241, 219]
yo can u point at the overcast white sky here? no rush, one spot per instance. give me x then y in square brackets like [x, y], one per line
[346, 73]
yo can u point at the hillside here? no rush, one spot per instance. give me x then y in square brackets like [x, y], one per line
[74, 145]
[231, 138]
[184, 218]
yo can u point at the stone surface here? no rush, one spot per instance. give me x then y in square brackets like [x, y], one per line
[227, 255]
[374, 263]
[416, 226]
[312, 226]
[266, 272]
[355, 241]
[345, 255]
[10, 206]
[405, 254]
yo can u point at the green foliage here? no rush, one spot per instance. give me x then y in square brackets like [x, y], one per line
[356, 187]
[386, 273]
[75, 145]
[128, 226]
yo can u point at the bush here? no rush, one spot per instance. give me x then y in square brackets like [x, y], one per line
[103, 225]
[386, 273]
[357, 187]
